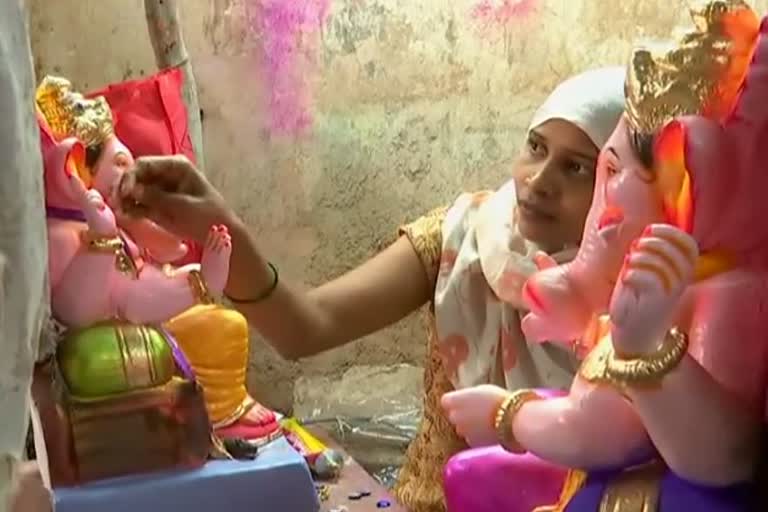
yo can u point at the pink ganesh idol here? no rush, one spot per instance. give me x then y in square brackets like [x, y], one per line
[109, 267]
[666, 300]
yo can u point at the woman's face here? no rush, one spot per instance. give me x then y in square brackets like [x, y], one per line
[554, 177]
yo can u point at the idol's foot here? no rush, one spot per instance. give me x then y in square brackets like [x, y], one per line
[258, 425]
[214, 264]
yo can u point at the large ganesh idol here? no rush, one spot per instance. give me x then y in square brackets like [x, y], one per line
[132, 319]
[665, 300]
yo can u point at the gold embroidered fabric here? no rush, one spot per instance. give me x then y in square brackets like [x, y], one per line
[426, 236]
[636, 490]
[420, 485]
[574, 482]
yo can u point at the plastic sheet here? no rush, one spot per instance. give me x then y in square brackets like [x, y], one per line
[377, 443]
[372, 412]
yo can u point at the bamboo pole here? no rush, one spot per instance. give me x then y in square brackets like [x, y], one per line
[170, 52]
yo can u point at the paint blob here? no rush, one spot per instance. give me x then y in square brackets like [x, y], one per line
[289, 34]
[501, 13]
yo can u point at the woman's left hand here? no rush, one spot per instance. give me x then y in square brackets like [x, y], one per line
[472, 412]
[28, 492]
[658, 268]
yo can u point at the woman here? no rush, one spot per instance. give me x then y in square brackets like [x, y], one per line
[488, 240]
[667, 411]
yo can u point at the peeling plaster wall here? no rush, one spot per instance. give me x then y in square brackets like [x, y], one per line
[329, 123]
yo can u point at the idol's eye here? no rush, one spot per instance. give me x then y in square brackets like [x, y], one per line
[122, 160]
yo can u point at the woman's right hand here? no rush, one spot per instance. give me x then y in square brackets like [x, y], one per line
[173, 193]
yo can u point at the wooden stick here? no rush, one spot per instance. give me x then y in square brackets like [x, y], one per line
[171, 52]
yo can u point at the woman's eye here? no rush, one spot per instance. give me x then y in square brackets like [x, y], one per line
[536, 148]
[575, 168]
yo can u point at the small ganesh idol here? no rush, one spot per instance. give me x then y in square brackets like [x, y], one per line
[140, 334]
[666, 300]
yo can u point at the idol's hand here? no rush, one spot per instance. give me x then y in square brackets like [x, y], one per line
[100, 217]
[657, 270]
[555, 313]
[472, 412]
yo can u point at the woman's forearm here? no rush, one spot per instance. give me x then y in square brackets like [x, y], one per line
[287, 319]
[298, 324]
[703, 432]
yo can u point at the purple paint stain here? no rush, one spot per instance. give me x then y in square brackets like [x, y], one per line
[501, 13]
[288, 30]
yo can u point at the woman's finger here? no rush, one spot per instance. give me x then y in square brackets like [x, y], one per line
[168, 169]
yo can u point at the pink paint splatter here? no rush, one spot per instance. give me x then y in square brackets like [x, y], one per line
[289, 32]
[500, 13]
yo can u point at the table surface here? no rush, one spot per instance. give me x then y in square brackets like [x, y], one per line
[353, 479]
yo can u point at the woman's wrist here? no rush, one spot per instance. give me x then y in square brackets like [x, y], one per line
[250, 273]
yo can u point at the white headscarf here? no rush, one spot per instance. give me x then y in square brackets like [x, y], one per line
[485, 261]
[593, 101]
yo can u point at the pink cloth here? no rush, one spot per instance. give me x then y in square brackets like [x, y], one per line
[478, 480]
[491, 479]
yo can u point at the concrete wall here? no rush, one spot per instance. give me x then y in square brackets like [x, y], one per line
[329, 123]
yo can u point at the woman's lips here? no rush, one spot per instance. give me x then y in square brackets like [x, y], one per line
[534, 212]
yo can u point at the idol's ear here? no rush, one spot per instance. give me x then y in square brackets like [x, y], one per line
[673, 176]
[61, 160]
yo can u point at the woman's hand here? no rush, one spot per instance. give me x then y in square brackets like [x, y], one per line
[472, 412]
[173, 193]
[658, 268]
[28, 492]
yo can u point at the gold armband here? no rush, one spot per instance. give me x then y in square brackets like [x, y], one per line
[602, 365]
[506, 412]
[199, 288]
[110, 244]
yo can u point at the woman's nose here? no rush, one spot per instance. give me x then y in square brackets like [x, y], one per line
[543, 182]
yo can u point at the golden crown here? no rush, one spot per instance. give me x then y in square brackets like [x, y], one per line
[70, 114]
[700, 74]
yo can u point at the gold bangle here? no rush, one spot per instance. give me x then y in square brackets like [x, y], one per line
[199, 288]
[505, 414]
[602, 365]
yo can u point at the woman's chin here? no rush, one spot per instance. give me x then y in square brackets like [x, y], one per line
[537, 233]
